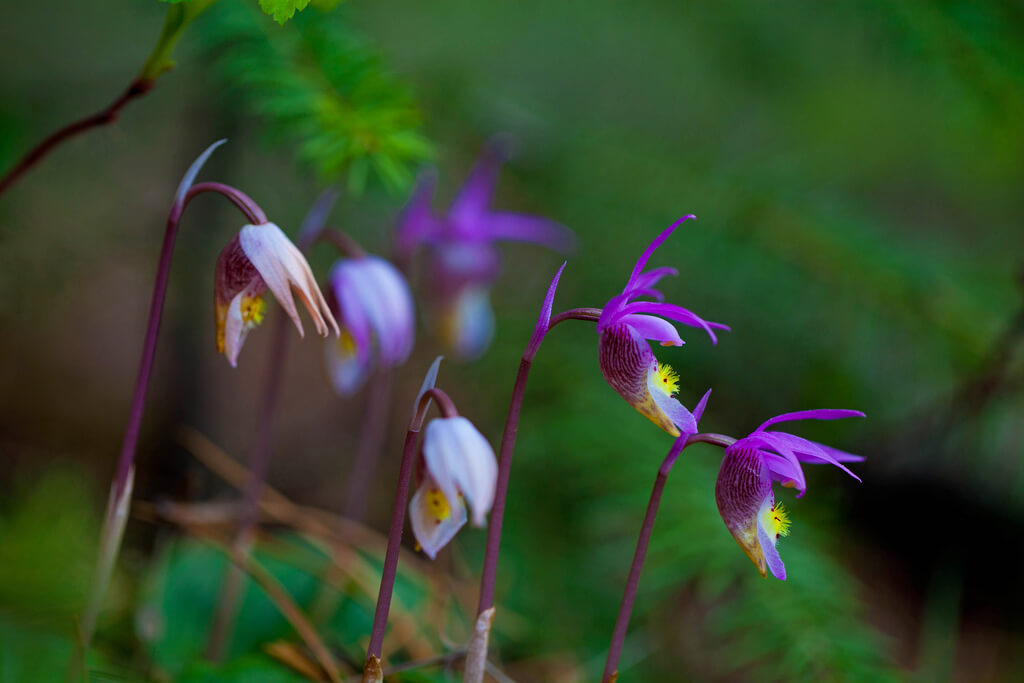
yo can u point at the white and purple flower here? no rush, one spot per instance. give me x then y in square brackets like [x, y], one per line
[374, 305]
[626, 359]
[457, 467]
[464, 262]
[258, 258]
[744, 492]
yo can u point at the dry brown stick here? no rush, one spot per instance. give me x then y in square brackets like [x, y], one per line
[281, 599]
[278, 506]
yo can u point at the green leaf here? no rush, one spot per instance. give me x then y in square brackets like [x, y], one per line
[282, 10]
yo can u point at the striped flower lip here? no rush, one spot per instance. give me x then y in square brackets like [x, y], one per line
[458, 467]
[463, 260]
[374, 305]
[258, 258]
[744, 492]
[625, 357]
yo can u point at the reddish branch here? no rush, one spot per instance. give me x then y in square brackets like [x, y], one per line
[138, 88]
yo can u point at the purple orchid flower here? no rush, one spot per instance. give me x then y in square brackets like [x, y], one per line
[374, 305]
[464, 262]
[744, 492]
[626, 359]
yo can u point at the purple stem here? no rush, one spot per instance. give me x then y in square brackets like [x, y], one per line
[387, 580]
[156, 308]
[368, 447]
[629, 596]
[508, 442]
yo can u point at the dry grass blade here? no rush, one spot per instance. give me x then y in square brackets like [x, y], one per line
[281, 599]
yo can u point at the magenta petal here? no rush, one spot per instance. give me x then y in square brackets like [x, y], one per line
[676, 411]
[819, 414]
[698, 412]
[674, 312]
[475, 196]
[785, 471]
[771, 554]
[416, 224]
[654, 328]
[518, 227]
[649, 292]
[805, 450]
[649, 251]
[840, 456]
[651, 277]
[544, 318]
[611, 312]
[758, 441]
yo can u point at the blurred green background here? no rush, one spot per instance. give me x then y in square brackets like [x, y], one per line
[857, 172]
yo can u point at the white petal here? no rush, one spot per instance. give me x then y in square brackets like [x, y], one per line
[432, 533]
[348, 370]
[282, 266]
[235, 330]
[461, 460]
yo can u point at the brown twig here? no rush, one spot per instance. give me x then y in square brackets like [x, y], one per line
[137, 89]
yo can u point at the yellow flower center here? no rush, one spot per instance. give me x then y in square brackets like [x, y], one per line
[252, 310]
[346, 342]
[438, 505]
[668, 379]
[776, 521]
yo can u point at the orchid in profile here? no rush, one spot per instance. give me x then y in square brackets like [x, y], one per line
[626, 359]
[373, 303]
[457, 466]
[258, 258]
[463, 261]
[744, 492]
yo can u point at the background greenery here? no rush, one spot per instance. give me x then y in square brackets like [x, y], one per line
[856, 168]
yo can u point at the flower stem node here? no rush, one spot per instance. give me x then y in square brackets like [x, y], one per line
[457, 468]
[258, 258]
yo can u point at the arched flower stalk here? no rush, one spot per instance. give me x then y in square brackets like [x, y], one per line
[261, 257]
[744, 496]
[120, 494]
[628, 365]
[456, 467]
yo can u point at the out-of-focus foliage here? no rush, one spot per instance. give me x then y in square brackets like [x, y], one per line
[320, 88]
[855, 168]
